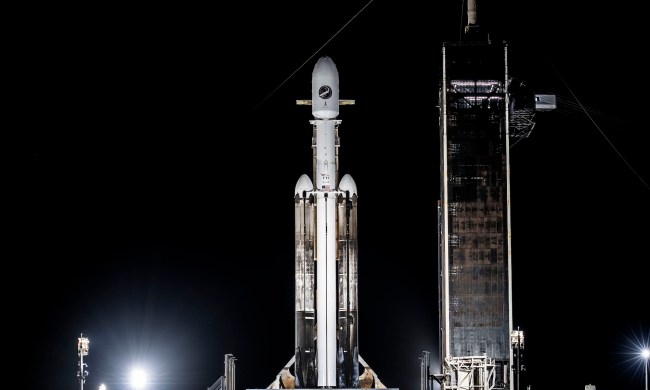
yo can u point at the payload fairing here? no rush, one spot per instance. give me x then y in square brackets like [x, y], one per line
[326, 304]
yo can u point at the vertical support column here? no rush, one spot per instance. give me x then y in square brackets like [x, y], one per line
[424, 371]
[229, 372]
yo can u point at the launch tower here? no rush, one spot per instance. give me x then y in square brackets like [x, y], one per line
[479, 123]
[474, 214]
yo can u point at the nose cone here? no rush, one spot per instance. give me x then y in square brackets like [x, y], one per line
[325, 89]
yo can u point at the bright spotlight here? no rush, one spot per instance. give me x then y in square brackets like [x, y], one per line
[102, 387]
[138, 378]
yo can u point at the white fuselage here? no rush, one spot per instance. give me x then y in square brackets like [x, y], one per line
[326, 266]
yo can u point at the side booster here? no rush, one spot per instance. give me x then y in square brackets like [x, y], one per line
[326, 343]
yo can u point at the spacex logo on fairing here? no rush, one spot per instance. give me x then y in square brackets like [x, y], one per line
[325, 92]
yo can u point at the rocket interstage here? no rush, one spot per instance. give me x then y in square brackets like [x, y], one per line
[326, 251]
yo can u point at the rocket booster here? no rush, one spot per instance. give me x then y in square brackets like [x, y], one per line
[326, 251]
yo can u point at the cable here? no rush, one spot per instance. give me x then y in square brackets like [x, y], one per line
[312, 56]
[597, 127]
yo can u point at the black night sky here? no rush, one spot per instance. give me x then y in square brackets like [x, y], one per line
[154, 151]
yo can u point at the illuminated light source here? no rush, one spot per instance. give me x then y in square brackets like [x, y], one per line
[83, 345]
[138, 379]
[102, 387]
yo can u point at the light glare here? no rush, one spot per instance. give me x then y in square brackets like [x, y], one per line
[138, 378]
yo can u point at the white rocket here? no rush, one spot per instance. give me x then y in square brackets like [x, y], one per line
[326, 346]
[326, 251]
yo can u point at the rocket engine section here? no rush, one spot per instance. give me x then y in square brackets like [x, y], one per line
[326, 342]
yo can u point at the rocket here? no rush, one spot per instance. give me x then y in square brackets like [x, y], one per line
[326, 351]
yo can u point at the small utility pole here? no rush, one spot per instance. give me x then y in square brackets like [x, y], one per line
[229, 374]
[82, 350]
